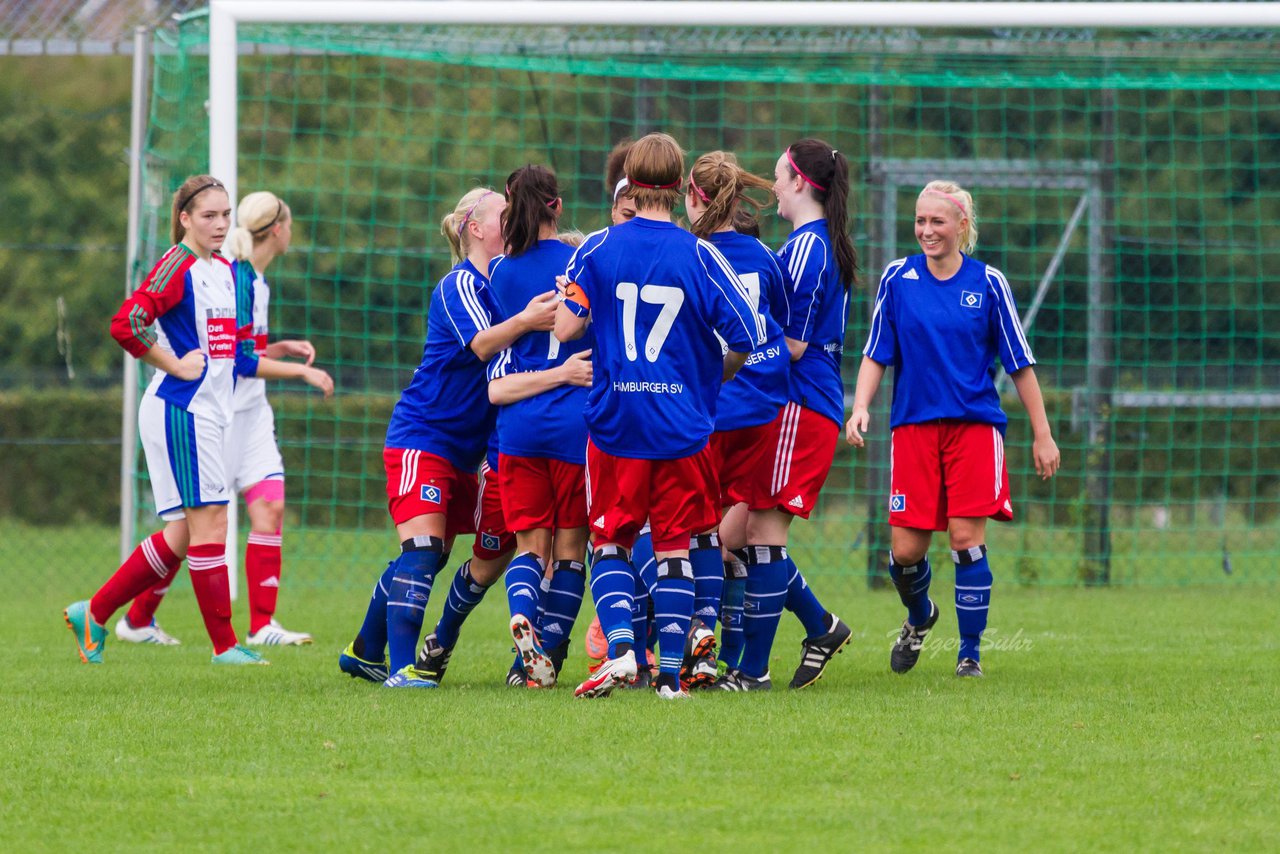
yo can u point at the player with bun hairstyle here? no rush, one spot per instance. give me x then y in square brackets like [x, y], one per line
[749, 410]
[941, 318]
[437, 438]
[253, 458]
[182, 322]
[540, 387]
[656, 297]
[811, 182]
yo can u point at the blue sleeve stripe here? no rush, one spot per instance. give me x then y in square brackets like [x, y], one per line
[498, 367]
[877, 317]
[1009, 320]
[467, 293]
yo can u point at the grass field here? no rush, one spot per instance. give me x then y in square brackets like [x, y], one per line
[1109, 719]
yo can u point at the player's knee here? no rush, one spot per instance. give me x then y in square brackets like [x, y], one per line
[485, 572]
[267, 516]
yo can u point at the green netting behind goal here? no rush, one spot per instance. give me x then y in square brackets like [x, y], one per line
[1128, 187]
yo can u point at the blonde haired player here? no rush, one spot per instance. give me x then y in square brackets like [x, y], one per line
[253, 459]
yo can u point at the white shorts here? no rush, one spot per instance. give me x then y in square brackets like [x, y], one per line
[252, 453]
[185, 459]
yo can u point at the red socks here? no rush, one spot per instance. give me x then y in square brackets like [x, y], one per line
[208, 565]
[143, 610]
[152, 564]
[262, 572]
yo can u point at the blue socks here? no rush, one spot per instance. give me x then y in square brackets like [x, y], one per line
[640, 623]
[802, 602]
[561, 602]
[371, 642]
[912, 582]
[464, 595]
[708, 577]
[735, 588]
[524, 586]
[673, 611]
[766, 593]
[407, 597]
[973, 598]
[613, 585]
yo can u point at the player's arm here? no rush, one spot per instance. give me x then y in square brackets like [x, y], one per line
[1043, 448]
[806, 262]
[733, 362]
[573, 313]
[274, 369]
[509, 388]
[131, 325]
[537, 316]
[294, 349]
[870, 373]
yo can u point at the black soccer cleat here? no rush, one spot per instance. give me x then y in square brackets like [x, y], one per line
[558, 655]
[968, 667]
[906, 649]
[433, 659]
[817, 652]
[737, 681]
[516, 678]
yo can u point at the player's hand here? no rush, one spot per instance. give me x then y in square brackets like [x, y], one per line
[562, 282]
[1048, 460]
[858, 423]
[190, 366]
[540, 314]
[577, 369]
[297, 349]
[319, 379]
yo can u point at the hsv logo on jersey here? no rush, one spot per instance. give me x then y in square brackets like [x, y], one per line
[430, 493]
[490, 542]
[969, 299]
[897, 503]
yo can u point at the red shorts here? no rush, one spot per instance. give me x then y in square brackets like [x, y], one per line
[677, 497]
[419, 484]
[538, 492]
[493, 539]
[944, 470]
[801, 460]
[745, 458]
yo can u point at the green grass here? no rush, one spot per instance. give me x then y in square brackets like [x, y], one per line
[1109, 719]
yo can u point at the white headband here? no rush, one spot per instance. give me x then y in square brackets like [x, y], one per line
[622, 184]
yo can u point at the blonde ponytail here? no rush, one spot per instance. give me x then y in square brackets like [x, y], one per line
[255, 216]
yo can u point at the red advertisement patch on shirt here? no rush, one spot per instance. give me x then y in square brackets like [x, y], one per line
[222, 337]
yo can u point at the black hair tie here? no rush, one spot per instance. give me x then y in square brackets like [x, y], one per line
[274, 219]
[182, 207]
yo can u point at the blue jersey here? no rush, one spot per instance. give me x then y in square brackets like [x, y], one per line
[445, 410]
[548, 425]
[657, 296]
[756, 393]
[816, 312]
[942, 339]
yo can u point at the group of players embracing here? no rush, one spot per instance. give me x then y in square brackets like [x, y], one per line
[671, 399]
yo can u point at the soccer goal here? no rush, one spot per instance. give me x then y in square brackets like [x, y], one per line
[1122, 155]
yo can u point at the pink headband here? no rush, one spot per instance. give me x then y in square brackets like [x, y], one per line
[800, 172]
[951, 199]
[705, 198]
[472, 209]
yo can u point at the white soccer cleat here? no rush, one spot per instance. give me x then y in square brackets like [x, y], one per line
[613, 673]
[537, 666]
[147, 634]
[274, 634]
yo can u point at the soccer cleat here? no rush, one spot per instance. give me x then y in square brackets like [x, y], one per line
[611, 674]
[147, 634]
[702, 674]
[701, 641]
[433, 659]
[357, 668]
[644, 679]
[736, 680]
[274, 634]
[906, 649]
[535, 662]
[238, 654]
[816, 653]
[667, 687]
[968, 667]
[595, 643]
[557, 655]
[516, 678]
[410, 677]
[90, 637]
